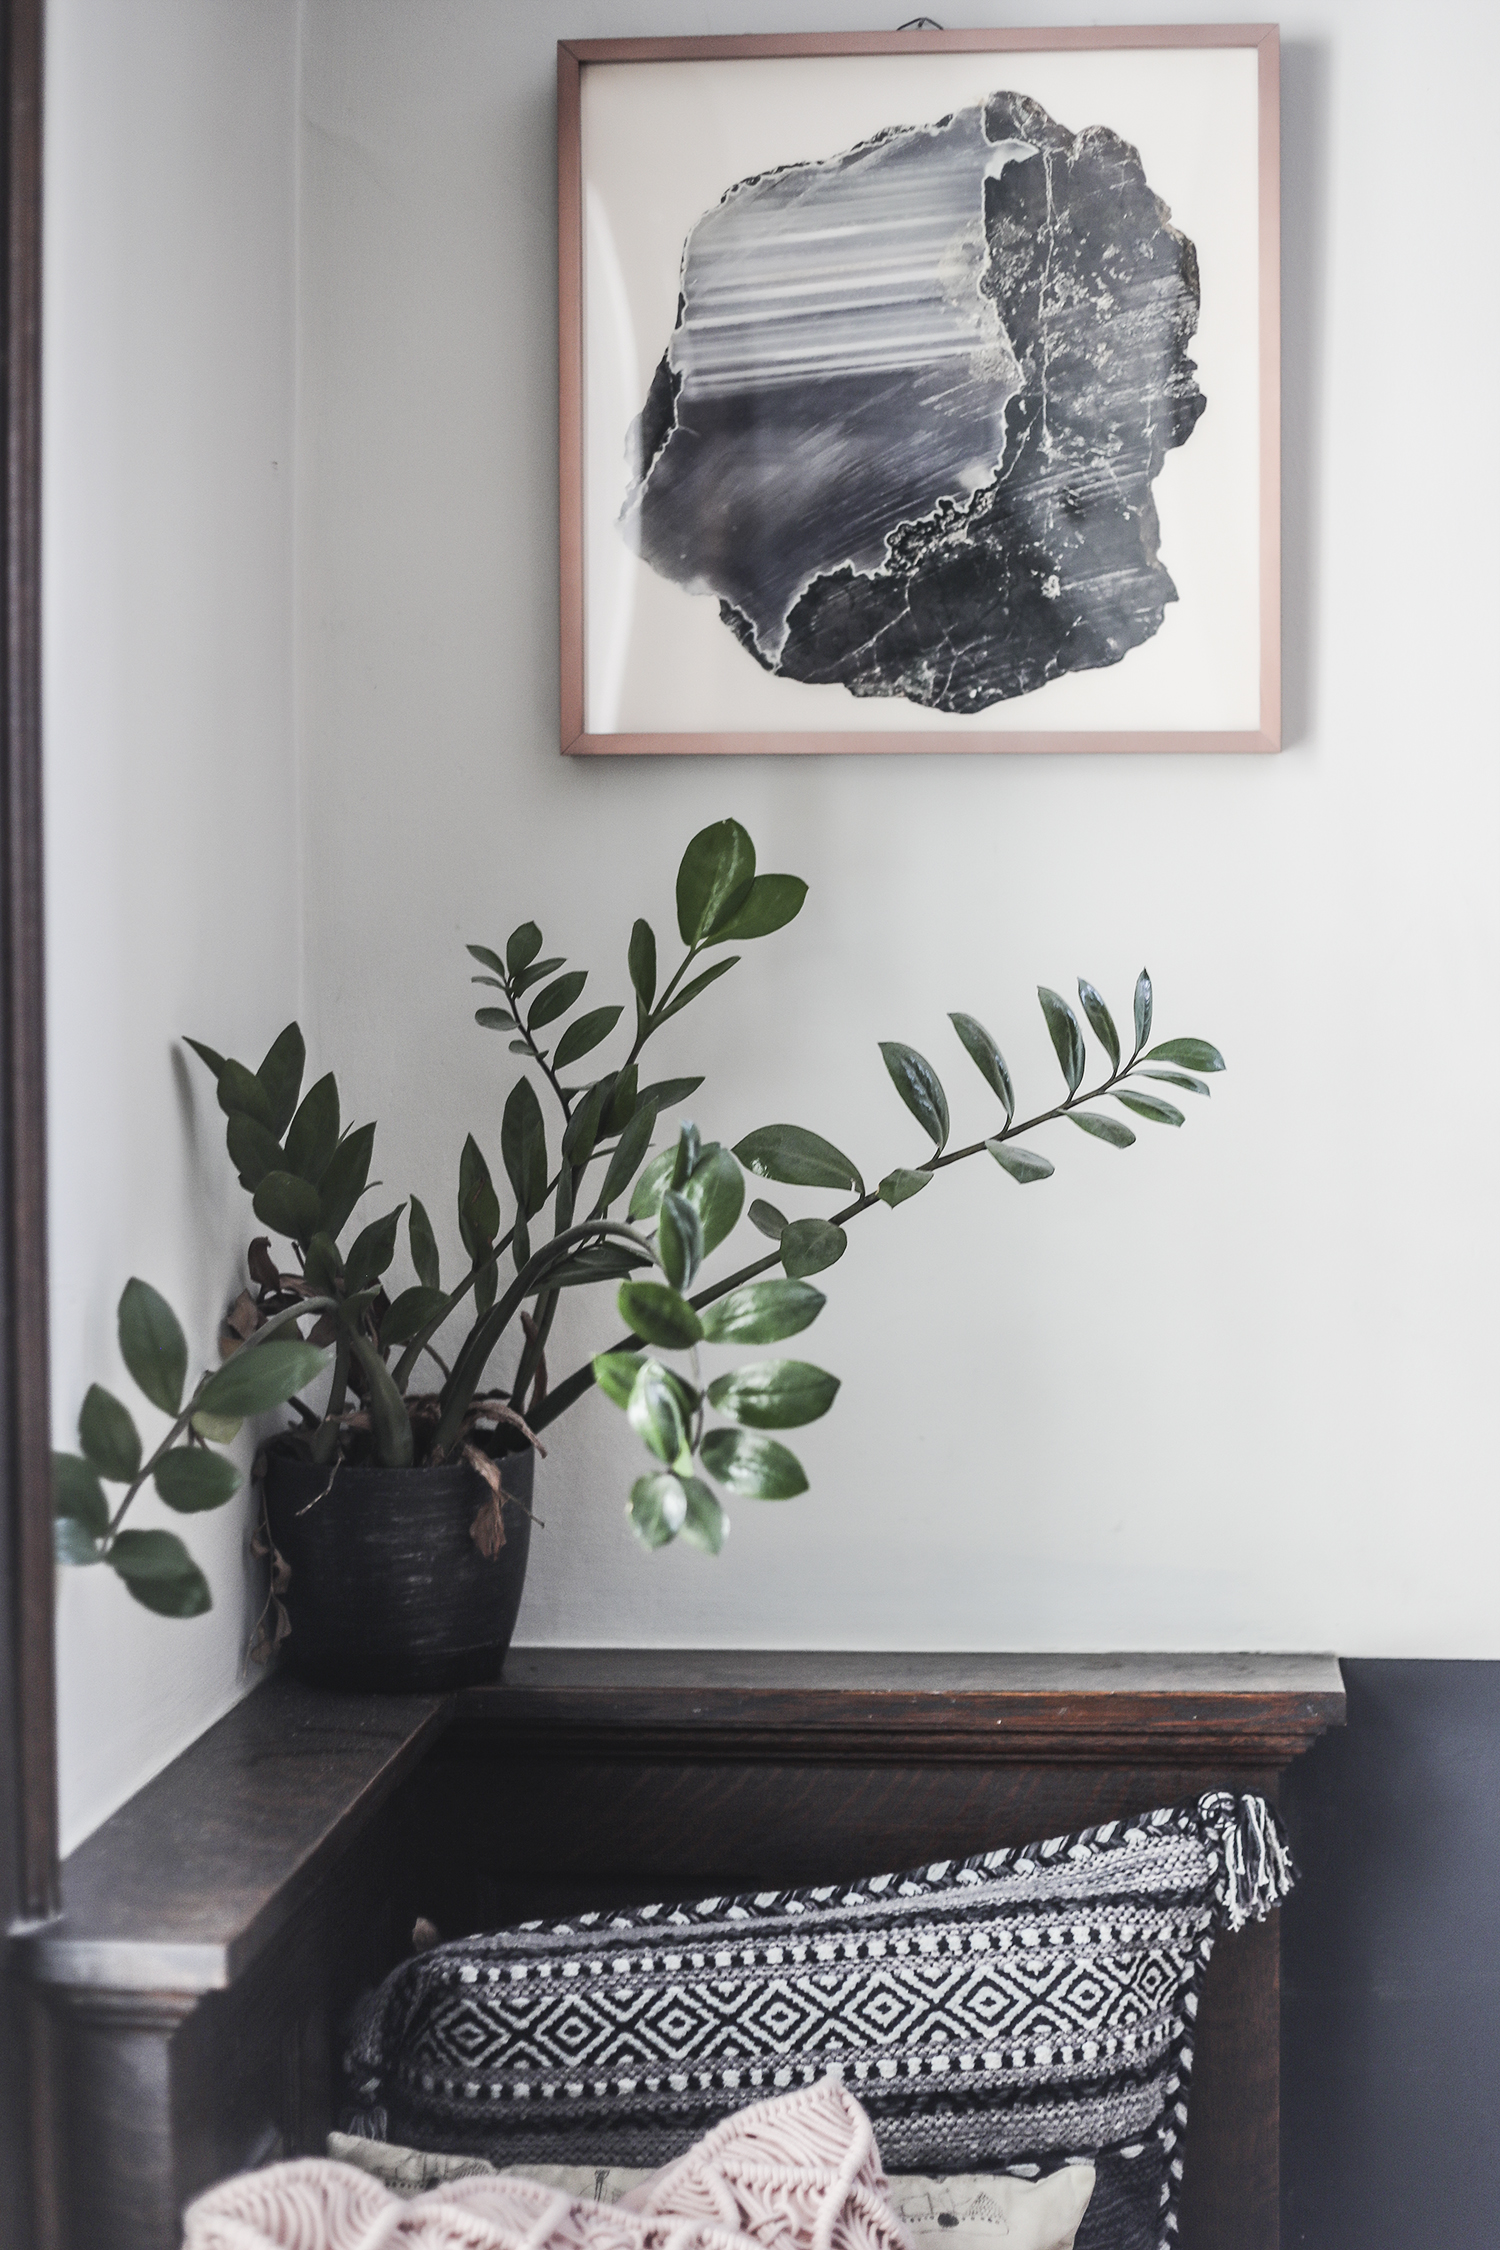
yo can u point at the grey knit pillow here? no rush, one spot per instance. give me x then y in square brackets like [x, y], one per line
[1005, 2011]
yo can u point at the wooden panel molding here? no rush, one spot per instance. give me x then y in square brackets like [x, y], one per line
[215, 1930]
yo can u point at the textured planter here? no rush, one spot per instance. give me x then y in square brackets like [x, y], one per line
[388, 1590]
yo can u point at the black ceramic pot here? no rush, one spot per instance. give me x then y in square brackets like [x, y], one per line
[388, 1590]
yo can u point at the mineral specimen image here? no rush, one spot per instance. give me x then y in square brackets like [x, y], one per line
[907, 424]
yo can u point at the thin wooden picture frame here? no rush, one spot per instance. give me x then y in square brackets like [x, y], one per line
[1255, 727]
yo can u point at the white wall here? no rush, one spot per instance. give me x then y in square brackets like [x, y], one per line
[1232, 1388]
[172, 830]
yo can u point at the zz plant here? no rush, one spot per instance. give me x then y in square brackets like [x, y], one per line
[598, 1203]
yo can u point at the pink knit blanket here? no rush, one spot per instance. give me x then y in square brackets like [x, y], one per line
[799, 2172]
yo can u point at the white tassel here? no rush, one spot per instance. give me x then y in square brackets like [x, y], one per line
[1258, 1870]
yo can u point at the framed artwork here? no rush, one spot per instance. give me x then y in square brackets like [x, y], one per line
[920, 391]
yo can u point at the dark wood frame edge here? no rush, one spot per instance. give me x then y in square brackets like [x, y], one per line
[28, 1751]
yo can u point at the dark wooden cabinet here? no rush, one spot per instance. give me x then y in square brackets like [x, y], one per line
[217, 1928]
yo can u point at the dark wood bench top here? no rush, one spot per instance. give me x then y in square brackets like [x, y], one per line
[192, 1879]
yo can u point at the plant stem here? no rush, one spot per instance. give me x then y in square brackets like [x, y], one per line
[280, 1320]
[573, 1386]
[652, 1021]
[536, 1053]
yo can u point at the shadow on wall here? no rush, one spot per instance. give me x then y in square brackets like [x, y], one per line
[1305, 75]
[1390, 2129]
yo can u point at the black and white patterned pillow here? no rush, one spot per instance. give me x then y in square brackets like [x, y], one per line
[992, 2013]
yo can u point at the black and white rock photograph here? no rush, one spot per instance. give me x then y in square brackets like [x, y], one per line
[924, 399]
[906, 429]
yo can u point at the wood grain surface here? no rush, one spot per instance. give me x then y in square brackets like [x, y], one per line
[216, 1930]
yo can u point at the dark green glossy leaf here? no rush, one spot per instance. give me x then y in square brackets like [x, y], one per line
[289, 1205]
[495, 984]
[1192, 1054]
[584, 1034]
[1102, 1021]
[262, 1376]
[344, 1177]
[253, 1149]
[920, 1088]
[679, 1239]
[494, 1019]
[762, 1312]
[582, 1128]
[655, 1412]
[987, 1057]
[1066, 1037]
[627, 1156]
[1103, 1128]
[900, 1185]
[159, 1571]
[239, 1088]
[713, 880]
[523, 1147]
[1023, 1164]
[108, 1435]
[808, 1245]
[424, 1249]
[352, 1309]
[715, 1187]
[522, 947]
[706, 1525]
[652, 1185]
[665, 1093]
[314, 1133]
[281, 1076]
[1178, 1078]
[615, 1374]
[412, 1312]
[652, 1310]
[1152, 1106]
[389, 1420]
[323, 1267]
[797, 1158]
[478, 1204]
[691, 990]
[774, 1394]
[526, 978]
[758, 1467]
[373, 1249]
[152, 1344]
[208, 1055]
[1142, 1010]
[642, 964]
[767, 1219]
[624, 1099]
[492, 960]
[770, 903]
[78, 1494]
[192, 1481]
[658, 1508]
[555, 999]
[688, 1152]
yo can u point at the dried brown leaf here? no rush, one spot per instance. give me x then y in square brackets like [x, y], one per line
[488, 1528]
[262, 1265]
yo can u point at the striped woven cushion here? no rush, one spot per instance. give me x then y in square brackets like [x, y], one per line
[1015, 2008]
